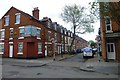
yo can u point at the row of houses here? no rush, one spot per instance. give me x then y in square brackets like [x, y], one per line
[25, 36]
[109, 33]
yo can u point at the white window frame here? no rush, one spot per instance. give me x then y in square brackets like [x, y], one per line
[19, 32]
[7, 21]
[39, 43]
[3, 48]
[40, 33]
[108, 31]
[2, 30]
[17, 14]
[18, 48]
[10, 33]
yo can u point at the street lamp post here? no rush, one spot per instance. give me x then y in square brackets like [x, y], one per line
[53, 45]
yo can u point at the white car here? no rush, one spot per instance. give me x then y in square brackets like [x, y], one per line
[87, 52]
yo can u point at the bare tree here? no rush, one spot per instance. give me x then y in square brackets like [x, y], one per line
[80, 21]
[111, 9]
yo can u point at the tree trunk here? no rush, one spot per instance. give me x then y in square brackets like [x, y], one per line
[71, 46]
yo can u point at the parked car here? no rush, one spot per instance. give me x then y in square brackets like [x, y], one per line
[94, 50]
[79, 50]
[87, 52]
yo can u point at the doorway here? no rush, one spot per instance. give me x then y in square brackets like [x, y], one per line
[111, 51]
[10, 49]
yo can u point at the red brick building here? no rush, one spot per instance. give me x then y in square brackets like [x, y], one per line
[25, 36]
[110, 34]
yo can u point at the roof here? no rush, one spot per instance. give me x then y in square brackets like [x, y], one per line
[23, 13]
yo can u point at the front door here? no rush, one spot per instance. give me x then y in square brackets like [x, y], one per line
[11, 50]
[45, 50]
[110, 51]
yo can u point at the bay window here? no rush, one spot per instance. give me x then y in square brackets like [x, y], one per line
[28, 31]
[21, 33]
[38, 33]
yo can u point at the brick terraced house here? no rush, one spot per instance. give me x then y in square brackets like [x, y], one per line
[25, 36]
[110, 33]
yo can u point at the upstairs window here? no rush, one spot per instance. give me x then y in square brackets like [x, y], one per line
[55, 27]
[38, 33]
[55, 36]
[61, 30]
[2, 34]
[108, 24]
[21, 33]
[49, 24]
[49, 35]
[6, 20]
[11, 33]
[17, 21]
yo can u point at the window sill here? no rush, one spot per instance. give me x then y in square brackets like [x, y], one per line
[10, 38]
[109, 31]
[17, 23]
[39, 52]
[1, 39]
[1, 53]
[21, 38]
[38, 38]
[6, 25]
[19, 53]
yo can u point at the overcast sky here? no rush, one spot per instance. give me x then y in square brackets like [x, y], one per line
[49, 8]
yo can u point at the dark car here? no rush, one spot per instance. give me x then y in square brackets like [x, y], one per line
[94, 50]
[79, 51]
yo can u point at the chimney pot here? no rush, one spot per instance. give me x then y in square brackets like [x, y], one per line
[35, 12]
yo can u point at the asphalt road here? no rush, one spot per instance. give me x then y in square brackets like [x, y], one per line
[68, 68]
[76, 58]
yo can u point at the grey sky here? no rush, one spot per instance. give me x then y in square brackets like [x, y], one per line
[49, 8]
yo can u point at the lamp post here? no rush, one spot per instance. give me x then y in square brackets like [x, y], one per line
[53, 47]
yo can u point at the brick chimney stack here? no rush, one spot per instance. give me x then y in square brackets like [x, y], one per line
[35, 12]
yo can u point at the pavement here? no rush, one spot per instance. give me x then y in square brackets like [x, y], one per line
[33, 62]
[90, 65]
[94, 65]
